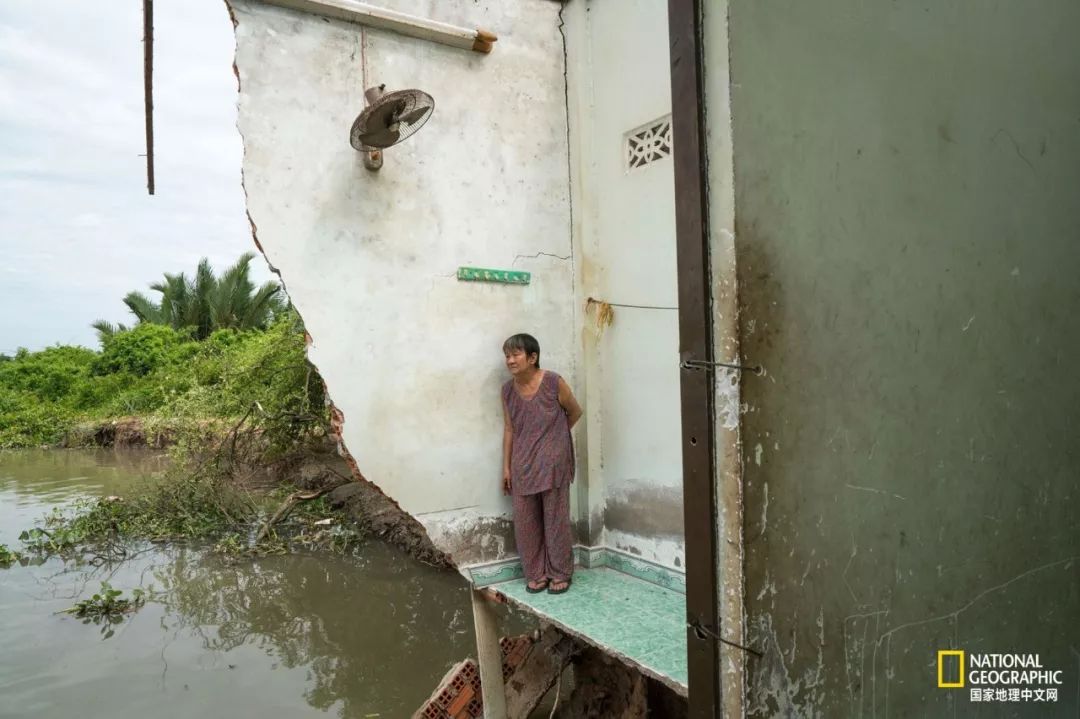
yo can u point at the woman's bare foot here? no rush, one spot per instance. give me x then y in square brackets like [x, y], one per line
[536, 586]
[558, 586]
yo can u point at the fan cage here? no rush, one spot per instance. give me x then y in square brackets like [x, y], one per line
[398, 103]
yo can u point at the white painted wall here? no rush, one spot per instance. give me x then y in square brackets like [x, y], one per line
[620, 80]
[412, 356]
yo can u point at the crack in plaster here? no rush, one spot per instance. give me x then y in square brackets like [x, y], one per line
[569, 160]
[448, 275]
[855, 647]
[875, 491]
[1015, 144]
[538, 254]
[956, 613]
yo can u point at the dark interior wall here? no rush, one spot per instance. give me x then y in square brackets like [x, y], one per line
[907, 182]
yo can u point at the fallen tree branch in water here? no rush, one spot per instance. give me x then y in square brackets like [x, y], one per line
[287, 506]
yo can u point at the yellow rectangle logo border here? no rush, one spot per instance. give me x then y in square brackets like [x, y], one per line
[942, 684]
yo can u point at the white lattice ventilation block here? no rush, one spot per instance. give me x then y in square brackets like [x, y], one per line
[648, 143]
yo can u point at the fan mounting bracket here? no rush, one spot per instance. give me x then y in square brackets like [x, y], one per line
[372, 158]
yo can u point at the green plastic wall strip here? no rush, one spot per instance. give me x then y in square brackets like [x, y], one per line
[480, 274]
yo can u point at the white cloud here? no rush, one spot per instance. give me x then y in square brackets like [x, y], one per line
[86, 219]
[77, 229]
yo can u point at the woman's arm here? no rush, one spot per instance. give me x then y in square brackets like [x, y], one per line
[569, 403]
[508, 443]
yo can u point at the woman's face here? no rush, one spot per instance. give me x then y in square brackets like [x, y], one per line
[517, 361]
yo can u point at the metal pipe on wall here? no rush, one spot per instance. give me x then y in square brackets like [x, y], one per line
[424, 28]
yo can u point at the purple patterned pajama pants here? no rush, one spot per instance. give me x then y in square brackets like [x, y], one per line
[542, 532]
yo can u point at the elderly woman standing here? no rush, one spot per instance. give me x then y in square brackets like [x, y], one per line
[538, 464]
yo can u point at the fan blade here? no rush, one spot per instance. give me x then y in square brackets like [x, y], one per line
[397, 111]
[380, 138]
[414, 116]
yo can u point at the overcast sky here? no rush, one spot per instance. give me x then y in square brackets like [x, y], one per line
[77, 229]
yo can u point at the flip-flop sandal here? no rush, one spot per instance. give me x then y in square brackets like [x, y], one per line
[536, 590]
[559, 591]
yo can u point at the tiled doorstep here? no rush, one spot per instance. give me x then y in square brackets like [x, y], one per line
[636, 620]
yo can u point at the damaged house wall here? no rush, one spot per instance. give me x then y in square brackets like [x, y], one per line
[411, 356]
[906, 230]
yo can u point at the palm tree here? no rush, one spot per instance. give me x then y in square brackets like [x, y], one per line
[205, 303]
[105, 330]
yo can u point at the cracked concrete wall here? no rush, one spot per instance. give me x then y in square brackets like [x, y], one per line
[906, 233]
[411, 356]
[619, 80]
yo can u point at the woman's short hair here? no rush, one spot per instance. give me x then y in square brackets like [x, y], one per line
[524, 342]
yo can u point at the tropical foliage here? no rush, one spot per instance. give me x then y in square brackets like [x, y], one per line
[221, 370]
[172, 373]
[205, 302]
[157, 373]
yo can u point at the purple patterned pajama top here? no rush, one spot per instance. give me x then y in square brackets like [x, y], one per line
[542, 453]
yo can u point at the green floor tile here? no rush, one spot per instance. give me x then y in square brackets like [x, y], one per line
[643, 622]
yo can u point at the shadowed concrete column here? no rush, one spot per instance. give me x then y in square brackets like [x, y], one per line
[490, 657]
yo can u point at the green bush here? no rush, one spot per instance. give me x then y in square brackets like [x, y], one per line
[26, 421]
[99, 390]
[261, 375]
[141, 350]
[157, 373]
[51, 374]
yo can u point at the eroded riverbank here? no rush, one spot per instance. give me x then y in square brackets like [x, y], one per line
[364, 634]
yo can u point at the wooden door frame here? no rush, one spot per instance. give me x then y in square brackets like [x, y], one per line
[695, 343]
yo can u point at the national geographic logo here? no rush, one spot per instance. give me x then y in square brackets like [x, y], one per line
[954, 660]
[998, 677]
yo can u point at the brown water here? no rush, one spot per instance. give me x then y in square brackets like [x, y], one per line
[310, 635]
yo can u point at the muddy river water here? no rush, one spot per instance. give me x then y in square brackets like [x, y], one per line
[299, 635]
